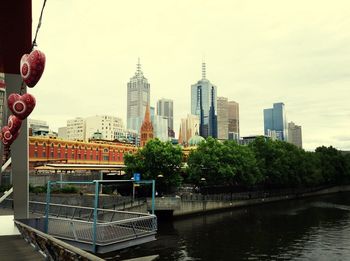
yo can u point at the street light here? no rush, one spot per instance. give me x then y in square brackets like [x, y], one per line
[160, 184]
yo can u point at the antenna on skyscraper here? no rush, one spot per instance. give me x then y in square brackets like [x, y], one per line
[138, 65]
[203, 68]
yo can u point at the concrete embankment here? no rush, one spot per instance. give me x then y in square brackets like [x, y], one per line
[181, 207]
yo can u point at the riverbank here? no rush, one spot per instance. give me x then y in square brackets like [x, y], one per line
[181, 207]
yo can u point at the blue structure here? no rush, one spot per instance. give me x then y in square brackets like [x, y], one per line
[204, 104]
[275, 122]
[98, 230]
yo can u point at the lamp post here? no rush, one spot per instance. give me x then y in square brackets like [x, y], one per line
[160, 178]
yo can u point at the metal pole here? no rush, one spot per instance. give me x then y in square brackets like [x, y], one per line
[61, 179]
[101, 178]
[153, 195]
[133, 191]
[47, 209]
[94, 232]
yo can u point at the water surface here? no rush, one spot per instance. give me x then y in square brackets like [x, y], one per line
[316, 228]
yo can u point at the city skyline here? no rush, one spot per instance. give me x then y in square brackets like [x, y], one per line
[257, 54]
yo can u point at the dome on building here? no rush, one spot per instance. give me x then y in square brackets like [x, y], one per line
[195, 140]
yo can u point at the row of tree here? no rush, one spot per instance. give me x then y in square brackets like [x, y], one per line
[263, 163]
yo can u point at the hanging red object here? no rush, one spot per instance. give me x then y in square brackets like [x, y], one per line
[7, 137]
[32, 67]
[14, 124]
[21, 105]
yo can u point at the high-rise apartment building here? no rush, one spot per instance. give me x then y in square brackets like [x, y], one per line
[105, 124]
[38, 127]
[138, 98]
[203, 104]
[294, 134]
[76, 129]
[84, 129]
[222, 104]
[275, 120]
[62, 133]
[188, 128]
[165, 109]
[233, 120]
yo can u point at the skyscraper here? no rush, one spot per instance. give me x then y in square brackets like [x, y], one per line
[138, 98]
[188, 128]
[275, 120]
[222, 118]
[294, 134]
[165, 109]
[204, 104]
[233, 120]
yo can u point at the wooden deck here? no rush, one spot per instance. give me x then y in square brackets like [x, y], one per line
[14, 248]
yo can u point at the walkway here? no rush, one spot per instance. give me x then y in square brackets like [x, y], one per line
[14, 247]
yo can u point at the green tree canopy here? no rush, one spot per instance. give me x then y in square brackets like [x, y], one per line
[223, 163]
[156, 159]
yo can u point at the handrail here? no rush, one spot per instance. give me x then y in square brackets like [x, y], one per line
[6, 194]
[89, 208]
[7, 163]
[127, 220]
[67, 249]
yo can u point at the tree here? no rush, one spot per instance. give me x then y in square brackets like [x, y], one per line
[223, 164]
[281, 164]
[333, 165]
[157, 159]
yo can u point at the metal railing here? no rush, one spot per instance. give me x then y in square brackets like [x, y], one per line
[106, 232]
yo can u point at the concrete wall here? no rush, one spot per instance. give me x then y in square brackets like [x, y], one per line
[187, 207]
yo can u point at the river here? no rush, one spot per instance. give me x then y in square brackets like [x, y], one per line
[316, 228]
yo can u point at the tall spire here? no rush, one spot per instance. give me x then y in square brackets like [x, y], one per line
[203, 71]
[138, 66]
[147, 114]
[146, 128]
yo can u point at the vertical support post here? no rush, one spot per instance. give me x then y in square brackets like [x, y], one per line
[153, 195]
[101, 178]
[133, 191]
[61, 179]
[47, 208]
[94, 227]
[19, 158]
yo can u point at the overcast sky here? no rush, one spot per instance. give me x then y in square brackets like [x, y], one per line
[257, 53]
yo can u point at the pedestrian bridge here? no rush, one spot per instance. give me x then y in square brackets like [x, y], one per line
[112, 230]
[94, 229]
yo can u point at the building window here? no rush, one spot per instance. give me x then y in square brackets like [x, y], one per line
[96, 157]
[52, 145]
[59, 154]
[84, 156]
[35, 154]
[105, 150]
[44, 154]
[91, 157]
[66, 155]
[51, 154]
[105, 158]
